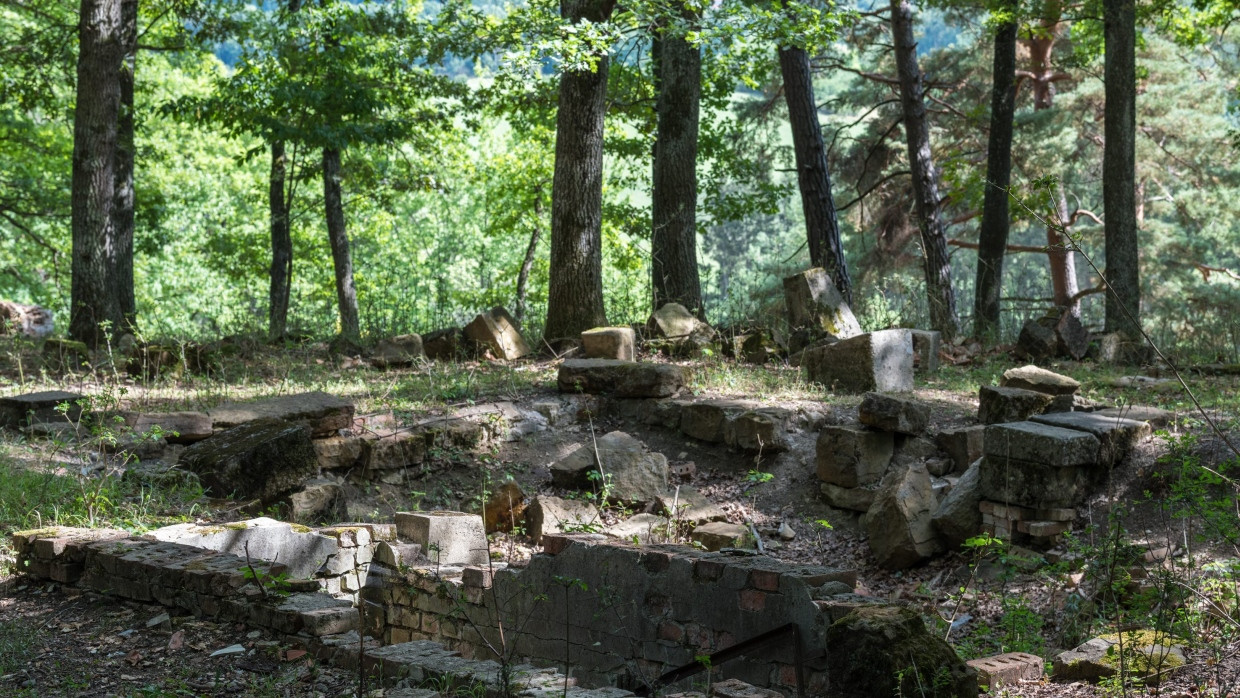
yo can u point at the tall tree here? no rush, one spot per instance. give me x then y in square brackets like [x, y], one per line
[1123, 304]
[279, 203]
[96, 295]
[338, 236]
[993, 234]
[575, 292]
[813, 176]
[673, 241]
[122, 210]
[937, 265]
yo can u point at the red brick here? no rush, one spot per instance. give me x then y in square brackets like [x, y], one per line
[708, 570]
[752, 600]
[765, 580]
[1007, 668]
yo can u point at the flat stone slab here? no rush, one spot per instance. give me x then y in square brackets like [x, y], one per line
[1038, 379]
[18, 410]
[1116, 434]
[1041, 443]
[324, 413]
[1154, 416]
[687, 504]
[266, 458]
[620, 378]
[189, 426]
[302, 551]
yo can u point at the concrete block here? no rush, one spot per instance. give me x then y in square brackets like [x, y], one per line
[446, 537]
[609, 343]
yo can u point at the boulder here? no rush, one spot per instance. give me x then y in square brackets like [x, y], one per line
[402, 350]
[957, 518]
[325, 414]
[1144, 653]
[505, 508]
[852, 455]
[1037, 340]
[29, 408]
[688, 505]
[1030, 377]
[814, 302]
[684, 334]
[876, 361]
[1116, 435]
[263, 459]
[620, 378]
[189, 427]
[318, 501]
[963, 445]
[444, 345]
[301, 550]
[892, 413]
[721, 534]
[1072, 335]
[609, 343]
[898, 524]
[887, 651]
[850, 498]
[1001, 405]
[926, 345]
[548, 515]
[629, 472]
[499, 332]
[446, 537]
[26, 320]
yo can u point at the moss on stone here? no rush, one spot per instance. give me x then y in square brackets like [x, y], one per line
[886, 650]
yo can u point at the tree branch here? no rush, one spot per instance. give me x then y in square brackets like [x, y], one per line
[876, 185]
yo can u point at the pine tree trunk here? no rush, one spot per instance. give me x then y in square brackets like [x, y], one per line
[95, 297]
[993, 236]
[281, 245]
[575, 293]
[925, 178]
[813, 175]
[1063, 259]
[333, 203]
[673, 239]
[122, 211]
[1119, 169]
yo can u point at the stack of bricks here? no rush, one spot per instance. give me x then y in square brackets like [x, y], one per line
[1039, 528]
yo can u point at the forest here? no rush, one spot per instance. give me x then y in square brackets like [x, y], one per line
[194, 170]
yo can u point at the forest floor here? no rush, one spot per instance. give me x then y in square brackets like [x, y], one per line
[55, 640]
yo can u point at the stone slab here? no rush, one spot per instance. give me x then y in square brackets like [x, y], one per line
[324, 413]
[18, 410]
[620, 378]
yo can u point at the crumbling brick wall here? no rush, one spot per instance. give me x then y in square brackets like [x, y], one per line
[613, 613]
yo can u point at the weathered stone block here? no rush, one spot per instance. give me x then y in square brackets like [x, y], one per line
[1041, 443]
[19, 410]
[926, 345]
[548, 515]
[721, 534]
[756, 431]
[190, 427]
[264, 459]
[893, 413]
[446, 537]
[879, 361]
[963, 445]
[628, 471]
[609, 343]
[899, 522]
[813, 301]
[393, 449]
[324, 413]
[958, 517]
[1115, 435]
[318, 500]
[1155, 417]
[338, 452]
[1031, 377]
[620, 378]
[499, 332]
[853, 455]
[996, 405]
[300, 550]
[444, 345]
[850, 498]
[402, 350]
[887, 650]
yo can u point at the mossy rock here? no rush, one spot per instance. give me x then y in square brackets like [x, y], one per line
[1146, 654]
[886, 650]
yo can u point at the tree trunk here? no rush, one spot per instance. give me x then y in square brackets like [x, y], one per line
[1062, 258]
[1119, 168]
[925, 178]
[523, 276]
[95, 297]
[813, 175]
[575, 293]
[993, 235]
[281, 244]
[673, 239]
[122, 211]
[333, 203]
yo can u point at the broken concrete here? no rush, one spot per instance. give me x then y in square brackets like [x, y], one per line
[19, 410]
[446, 537]
[853, 455]
[958, 518]
[926, 345]
[401, 350]
[876, 361]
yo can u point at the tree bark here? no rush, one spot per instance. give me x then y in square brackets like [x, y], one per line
[1119, 168]
[673, 239]
[813, 174]
[333, 203]
[95, 296]
[123, 211]
[281, 244]
[575, 292]
[925, 177]
[996, 221]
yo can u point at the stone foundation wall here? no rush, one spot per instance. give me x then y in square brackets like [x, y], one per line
[616, 614]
